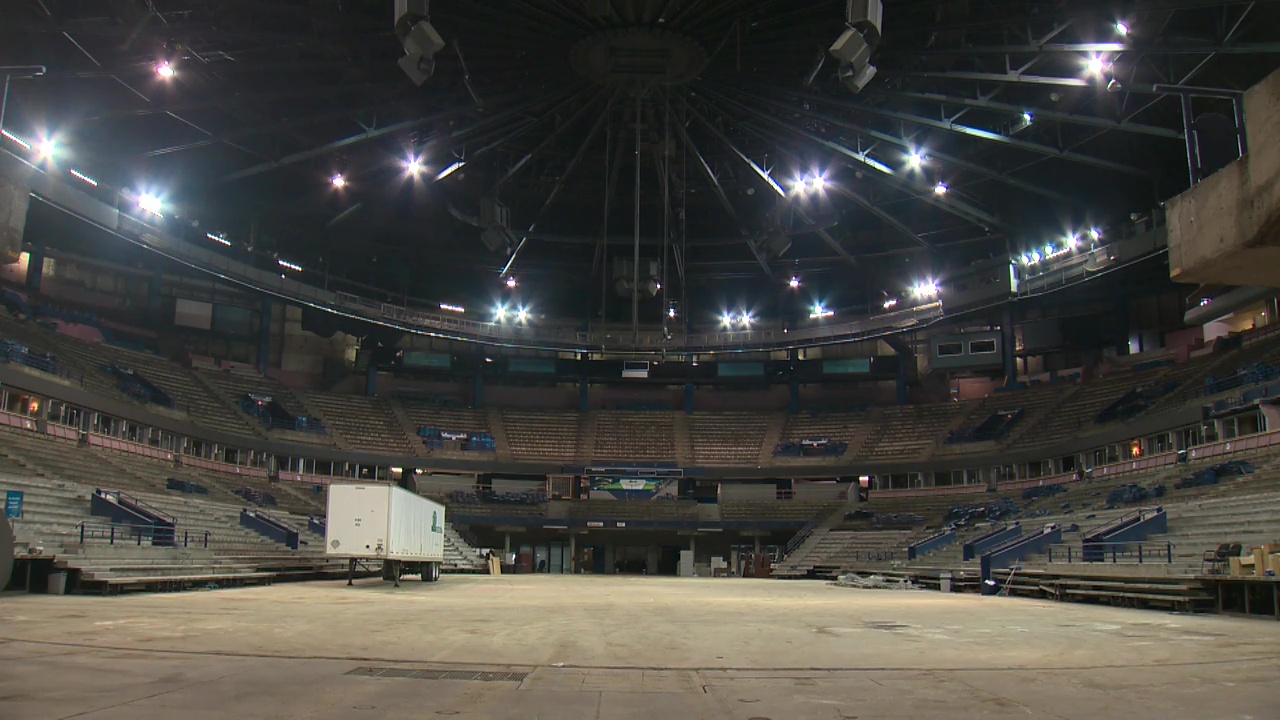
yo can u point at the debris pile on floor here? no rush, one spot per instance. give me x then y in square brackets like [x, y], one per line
[875, 582]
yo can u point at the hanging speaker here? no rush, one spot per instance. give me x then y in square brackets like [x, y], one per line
[867, 16]
[855, 79]
[418, 68]
[851, 49]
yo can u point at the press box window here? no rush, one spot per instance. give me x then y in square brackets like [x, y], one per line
[982, 347]
[950, 349]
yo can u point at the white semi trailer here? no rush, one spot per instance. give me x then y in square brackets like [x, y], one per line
[384, 523]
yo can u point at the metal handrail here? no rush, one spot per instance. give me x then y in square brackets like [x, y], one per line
[1127, 553]
[124, 532]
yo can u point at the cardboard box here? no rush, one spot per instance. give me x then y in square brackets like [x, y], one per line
[1242, 566]
[1273, 564]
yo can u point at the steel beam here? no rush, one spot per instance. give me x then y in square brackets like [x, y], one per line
[922, 192]
[720, 193]
[987, 135]
[1039, 113]
[988, 173]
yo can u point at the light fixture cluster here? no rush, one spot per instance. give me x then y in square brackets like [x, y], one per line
[151, 203]
[288, 265]
[452, 308]
[501, 313]
[810, 184]
[1054, 250]
[218, 238]
[820, 311]
[926, 290]
[47, 151]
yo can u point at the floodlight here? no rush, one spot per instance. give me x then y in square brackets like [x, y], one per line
[1122, 28]
[794, 282]
[1095, 233]
[338, 181]
[522, 314]
[940, 189]
[150, 203]
[726, 319]
[413, 166]
[1027, 117]
[1095, 65]
[915, 160]
[926, 289]
[165, 70]
[47, 149]
[500, 313]
[511, 282]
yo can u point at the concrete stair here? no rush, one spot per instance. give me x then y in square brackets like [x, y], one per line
[772, 436]
[498, 429]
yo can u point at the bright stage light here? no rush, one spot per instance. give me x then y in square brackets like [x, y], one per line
[338, 181]
[940, 189]
[165, 70]
[1122, 28]
[150, 203]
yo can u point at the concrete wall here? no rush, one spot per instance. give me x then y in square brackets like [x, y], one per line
[1227, 229]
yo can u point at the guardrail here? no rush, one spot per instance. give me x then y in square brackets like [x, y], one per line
[930, 544]
[113, 211]
[1115, 553]
[121, 533]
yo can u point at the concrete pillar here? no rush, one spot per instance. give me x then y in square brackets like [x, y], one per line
[35, 267]
[14, 201]
[757, 544]
[1008, 344]
[584, 396]
[264, 335]
[506, 546]
[155, 285]
[573, 554]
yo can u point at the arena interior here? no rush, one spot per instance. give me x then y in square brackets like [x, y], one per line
[773, 360]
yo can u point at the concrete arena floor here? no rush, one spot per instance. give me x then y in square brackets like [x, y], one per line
[619, 648]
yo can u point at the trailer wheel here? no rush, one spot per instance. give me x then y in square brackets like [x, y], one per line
[430, 572]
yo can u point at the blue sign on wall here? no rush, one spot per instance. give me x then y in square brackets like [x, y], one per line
[13, 503]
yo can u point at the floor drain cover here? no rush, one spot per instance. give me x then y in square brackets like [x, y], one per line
[426, 674]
